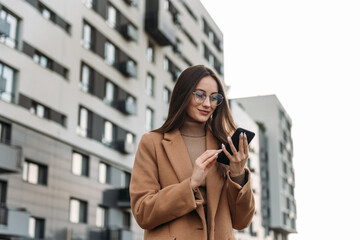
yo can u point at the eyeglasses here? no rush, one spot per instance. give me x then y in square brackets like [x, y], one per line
[215, 98]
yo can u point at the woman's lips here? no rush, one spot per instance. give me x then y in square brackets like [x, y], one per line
[204, 112]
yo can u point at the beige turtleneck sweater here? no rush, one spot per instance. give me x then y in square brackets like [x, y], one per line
[194, 136]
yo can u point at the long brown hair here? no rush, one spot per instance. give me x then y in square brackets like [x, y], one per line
[221, 123]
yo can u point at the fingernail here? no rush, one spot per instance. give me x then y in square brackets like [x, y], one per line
[245, 135]
[241, 134]
[216, 154]
[229, 139]
[222, 145]
[220, 149]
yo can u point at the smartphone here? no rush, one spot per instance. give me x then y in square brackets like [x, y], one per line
[222, 158]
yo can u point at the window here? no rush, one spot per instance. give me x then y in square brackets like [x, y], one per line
[34, 173]
[104, 173]
[86, 78]
[109, 53]
[166, 95]
[109, 92]
[80, 164]
[149, 119]
[150, 52]
[126, 220]
[166, 64]
[83, 128]
[42, 60]
[108, 133]
[87, 40]
[36, 228]
[150, 85]
[101, 216]
[7, 83]
[3, 190]
[78, 211]
[39, 110]
[111, 16]
[10, 38]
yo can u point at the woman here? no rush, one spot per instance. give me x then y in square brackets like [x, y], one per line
[178, 190]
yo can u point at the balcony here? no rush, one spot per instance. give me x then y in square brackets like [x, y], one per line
[128, 68]
[158, 23]
[129, 32]
[10, 159]
[118, 197]
[128, 105]
[14, 222]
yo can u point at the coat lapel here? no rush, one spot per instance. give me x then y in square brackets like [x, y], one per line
[178, 155]
[214, 181]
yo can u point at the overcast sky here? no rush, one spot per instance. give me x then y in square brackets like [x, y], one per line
[308, 54]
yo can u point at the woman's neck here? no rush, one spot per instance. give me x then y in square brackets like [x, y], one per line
[192, 128]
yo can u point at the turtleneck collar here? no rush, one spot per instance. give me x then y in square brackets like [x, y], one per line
[192, 128]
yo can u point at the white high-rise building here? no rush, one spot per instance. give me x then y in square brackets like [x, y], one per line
[80, 82]
[278, 204]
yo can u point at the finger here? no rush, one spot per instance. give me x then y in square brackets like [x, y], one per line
[211, 159]
[210, 165]
[206, 155]
[226, 152]
[246, 145]
[232, 147]
[241, 143]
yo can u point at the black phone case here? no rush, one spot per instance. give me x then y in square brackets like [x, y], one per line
[222, 158]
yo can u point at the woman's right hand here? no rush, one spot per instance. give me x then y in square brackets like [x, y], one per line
[202, 166]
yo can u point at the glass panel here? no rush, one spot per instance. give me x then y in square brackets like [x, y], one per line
[166, 64]
[8, 76]
[74, 210]
[149, 119]
[150, 53]
[77, 163]
[25, 171]
[129, 138]
[109, 97]
[85, 78]
[100, 217]
[87, 36]
[83, 121]
[111, 16]
[46, 14]
[108, 135]
[150, 85]
[33, 173]
[43, 61]
[32, 223]
[102, 172]
[109, 53]
[40, 110]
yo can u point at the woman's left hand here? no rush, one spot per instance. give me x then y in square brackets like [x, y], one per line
[239, 158]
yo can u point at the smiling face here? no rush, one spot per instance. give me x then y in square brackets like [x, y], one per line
[202, 112]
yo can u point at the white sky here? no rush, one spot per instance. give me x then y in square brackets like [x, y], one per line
[308, 54]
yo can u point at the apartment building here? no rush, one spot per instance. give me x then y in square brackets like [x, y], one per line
[80, 82]
[278, 204]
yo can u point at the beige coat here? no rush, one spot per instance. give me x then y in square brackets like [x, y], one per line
[163, 202]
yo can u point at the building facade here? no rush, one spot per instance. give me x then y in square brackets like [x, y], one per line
[80, 82]
[278, 204]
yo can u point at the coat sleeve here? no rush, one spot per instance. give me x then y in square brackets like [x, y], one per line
[241, 202]
[151, 204]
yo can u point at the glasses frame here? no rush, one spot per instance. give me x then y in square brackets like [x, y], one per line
[200, 101]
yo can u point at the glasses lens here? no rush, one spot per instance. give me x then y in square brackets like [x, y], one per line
[216, 99]
[199, 97]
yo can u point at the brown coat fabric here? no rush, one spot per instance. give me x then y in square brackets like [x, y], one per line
[163, 202]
